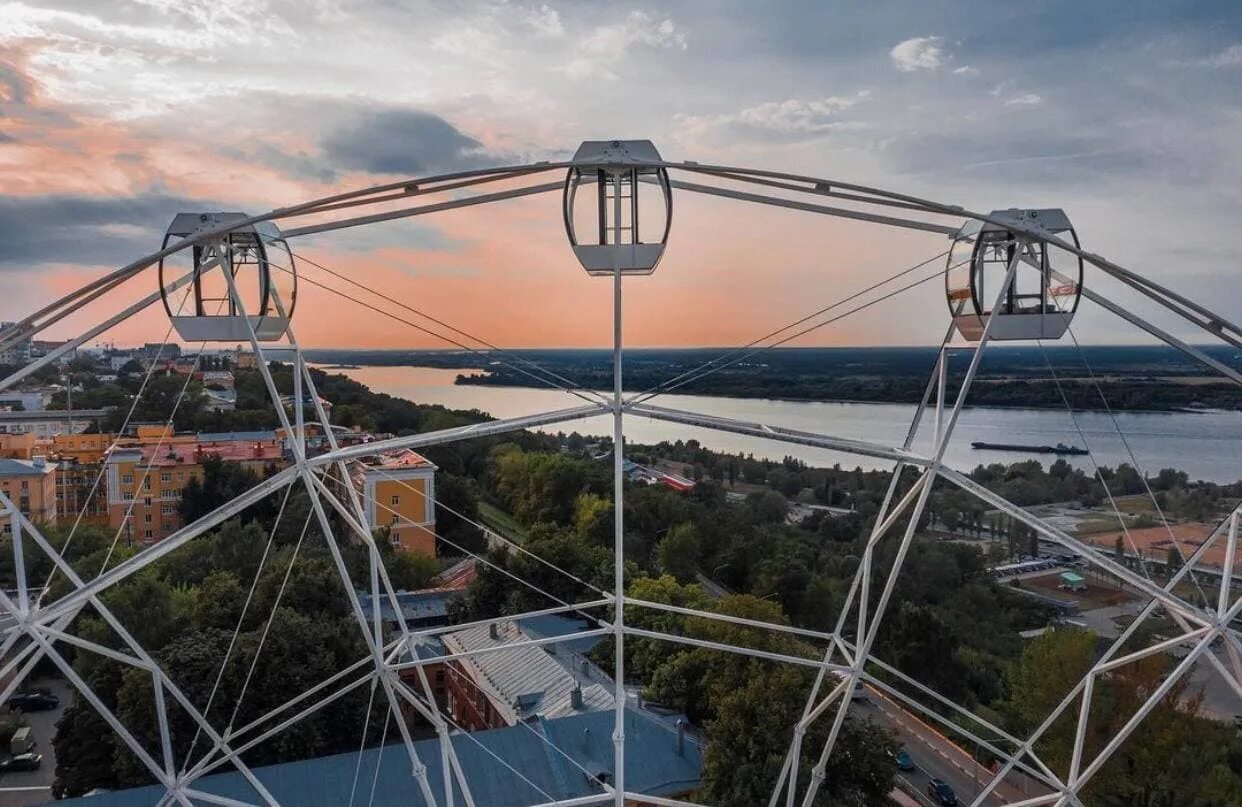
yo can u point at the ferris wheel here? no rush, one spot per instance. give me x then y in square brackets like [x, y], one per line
[229, 277]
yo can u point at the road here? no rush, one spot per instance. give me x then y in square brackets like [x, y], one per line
[1220, 701]
[35, 787]
[936, 756]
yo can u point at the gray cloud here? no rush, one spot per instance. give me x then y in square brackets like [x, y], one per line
[402, 141]
[62, 228]
[14, 87]
[296, 164]
[1044, 157]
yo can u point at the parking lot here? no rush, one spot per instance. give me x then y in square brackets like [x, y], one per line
[22, 788]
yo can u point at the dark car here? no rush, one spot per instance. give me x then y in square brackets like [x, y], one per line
[903, 760]
[33, 701]
[941, 793]
[22, 762]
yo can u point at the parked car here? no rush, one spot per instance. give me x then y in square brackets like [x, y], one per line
[941, 793]
[22, 741]
[33, 701]
[904, 761]
[22, 762]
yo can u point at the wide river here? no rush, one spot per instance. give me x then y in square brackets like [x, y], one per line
[1205, 445]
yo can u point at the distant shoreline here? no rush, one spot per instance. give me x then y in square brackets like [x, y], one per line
[1093, 378]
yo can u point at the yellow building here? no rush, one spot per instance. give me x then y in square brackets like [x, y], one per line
[398, 491]
[31, 485]
[20, 446]
[144, 479]
[85, 448]
[80, 492]
[78, 459]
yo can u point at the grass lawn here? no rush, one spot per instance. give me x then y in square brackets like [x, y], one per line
[1100, 523]
[1136, 505]
[502, 522]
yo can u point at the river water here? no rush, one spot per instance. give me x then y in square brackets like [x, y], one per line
[1205, 445]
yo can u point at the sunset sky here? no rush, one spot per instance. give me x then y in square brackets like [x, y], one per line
[116, 115]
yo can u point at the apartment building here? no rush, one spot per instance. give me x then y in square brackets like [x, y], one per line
[31, 485]
[398, 490]
[145, 476]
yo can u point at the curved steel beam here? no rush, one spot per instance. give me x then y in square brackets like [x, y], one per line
[1192, 312]
[1213, 323]
[71, 302]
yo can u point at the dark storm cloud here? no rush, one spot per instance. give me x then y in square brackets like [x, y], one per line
[402, 141]
[93, 231]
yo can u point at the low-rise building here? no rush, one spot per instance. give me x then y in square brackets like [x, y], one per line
[80, 491]
[503, 687]
[31, 485]
[145, 475]
[18, 353]
[48, 423]
[398, 490]
[18, 445]
[569, 760]
[25, 400]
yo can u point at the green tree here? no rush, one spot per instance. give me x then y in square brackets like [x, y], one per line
[220, 483]
[1172, 561]
[678, 552]
[768, 506]
[457, 505]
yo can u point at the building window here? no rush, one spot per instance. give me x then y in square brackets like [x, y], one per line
[168, 509]
[128, 479]
[395, 520]
[128, 496]
[147, 534]
[165, 477]
[146, 483]
[147, 518]
[25, 485]
[396, 500]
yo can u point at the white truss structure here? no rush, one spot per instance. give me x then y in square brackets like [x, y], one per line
[40, 629]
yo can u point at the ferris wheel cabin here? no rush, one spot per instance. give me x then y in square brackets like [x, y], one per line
[256, 258]
[1047, 282]
[603, 222]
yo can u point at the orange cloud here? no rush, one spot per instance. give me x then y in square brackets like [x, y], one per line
[733, 270]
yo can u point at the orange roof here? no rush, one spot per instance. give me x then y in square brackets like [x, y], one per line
[403, 458]
[171, 454]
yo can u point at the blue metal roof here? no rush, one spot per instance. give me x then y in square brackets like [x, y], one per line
[423, 607]
[10, 467]
[653, 766]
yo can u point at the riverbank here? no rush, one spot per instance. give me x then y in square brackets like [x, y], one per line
[1090, 378]
[1198, 443]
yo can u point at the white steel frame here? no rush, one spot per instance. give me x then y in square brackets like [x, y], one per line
[850, 662]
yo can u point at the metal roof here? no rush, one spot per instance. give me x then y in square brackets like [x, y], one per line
[548, 625]
[538, 750]
[9, 467]
[416, 606]
[231, 437]
[526, 681]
